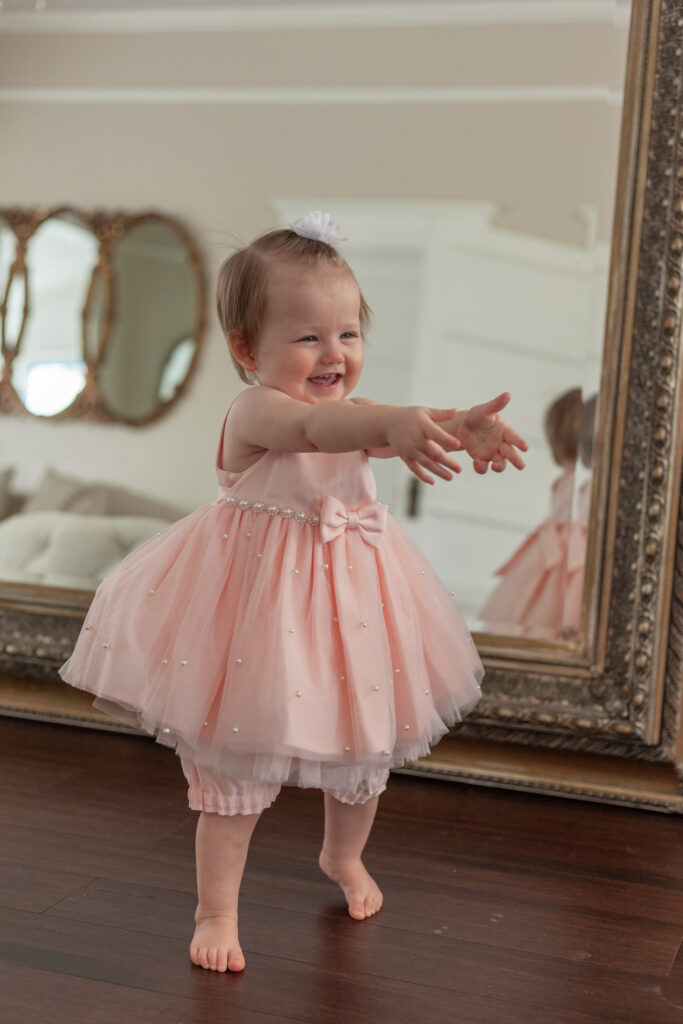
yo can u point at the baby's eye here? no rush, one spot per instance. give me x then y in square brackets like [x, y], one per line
[308, 337]
[349, 334]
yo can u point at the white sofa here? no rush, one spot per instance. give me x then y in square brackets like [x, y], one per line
[67, 549]
[71, 533]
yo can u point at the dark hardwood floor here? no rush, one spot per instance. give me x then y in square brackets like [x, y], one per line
[500, 907]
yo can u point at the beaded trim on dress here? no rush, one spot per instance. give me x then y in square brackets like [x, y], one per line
[273, 510]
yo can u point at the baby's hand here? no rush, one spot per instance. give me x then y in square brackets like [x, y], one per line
[488, 439]
[415, 435]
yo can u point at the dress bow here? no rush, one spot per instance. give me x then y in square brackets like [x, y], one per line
[370, 521]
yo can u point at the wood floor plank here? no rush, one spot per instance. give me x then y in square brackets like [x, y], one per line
[276, 985]
[31, 996]
[375, 948]
[501, 907]
[23, 887]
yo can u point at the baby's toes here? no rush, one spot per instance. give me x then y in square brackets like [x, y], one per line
[235, 959]
[221, 960]
[372, 905]
[357, 907]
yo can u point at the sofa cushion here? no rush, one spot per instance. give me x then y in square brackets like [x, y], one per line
[56, 491]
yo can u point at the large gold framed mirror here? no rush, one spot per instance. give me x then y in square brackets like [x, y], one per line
[594, 711]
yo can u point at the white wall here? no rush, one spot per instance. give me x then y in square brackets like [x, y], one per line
[193, 136]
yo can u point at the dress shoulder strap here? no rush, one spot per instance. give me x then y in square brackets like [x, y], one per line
[219, 451]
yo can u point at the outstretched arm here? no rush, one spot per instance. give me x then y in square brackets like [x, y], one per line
[264, 418]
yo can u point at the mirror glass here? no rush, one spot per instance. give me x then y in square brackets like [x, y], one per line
[155, 314]
[49, 371]
[504, 288]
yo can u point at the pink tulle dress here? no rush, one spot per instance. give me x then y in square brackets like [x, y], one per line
[541, 584]
[290, 632]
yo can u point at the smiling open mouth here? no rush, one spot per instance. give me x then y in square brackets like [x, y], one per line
[325, 380]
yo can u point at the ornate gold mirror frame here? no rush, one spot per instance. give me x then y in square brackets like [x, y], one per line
[109, 230]
[598, 718]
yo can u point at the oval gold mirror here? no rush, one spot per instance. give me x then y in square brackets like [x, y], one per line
[103, 315]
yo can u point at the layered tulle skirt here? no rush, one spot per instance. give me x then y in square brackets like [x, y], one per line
[249, 646]
[541, 585]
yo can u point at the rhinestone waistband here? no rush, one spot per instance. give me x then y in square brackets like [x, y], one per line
[272, 510]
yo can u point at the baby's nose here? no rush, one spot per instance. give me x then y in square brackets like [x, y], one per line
[332, 353]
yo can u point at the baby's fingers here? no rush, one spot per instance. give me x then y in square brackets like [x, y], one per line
[495, 405]
[512, 437]
[512, 455]
[447, 441]
[419, 472]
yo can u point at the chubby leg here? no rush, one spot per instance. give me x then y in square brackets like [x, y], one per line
[221, 849]
[230, 809]
[347, 827]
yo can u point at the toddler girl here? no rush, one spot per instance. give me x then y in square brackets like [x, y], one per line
[541, 584]
[290, 632]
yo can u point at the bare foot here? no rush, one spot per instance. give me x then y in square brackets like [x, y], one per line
[215, 945]
[362, 893]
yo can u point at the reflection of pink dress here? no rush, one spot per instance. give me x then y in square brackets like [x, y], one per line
[541, 584]
[289, 632]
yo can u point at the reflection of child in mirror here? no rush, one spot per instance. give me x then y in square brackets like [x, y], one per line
[290, 632]
[540, 588]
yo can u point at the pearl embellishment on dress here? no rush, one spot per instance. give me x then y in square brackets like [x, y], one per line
[166, 730]
[224, 536]
[183, 662]
[238, 660]
[291, 629]
[87, 627]
[106, 645]
[299, 693]
[235, 729]
[375, 687]
[151, 591]
[274, 510]
[164, 661]
[347, 749]
[364, 625]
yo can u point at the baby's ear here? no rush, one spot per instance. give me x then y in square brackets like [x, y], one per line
[241, 350]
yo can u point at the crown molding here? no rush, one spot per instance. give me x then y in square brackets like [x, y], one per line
[278, 96]
[374, 14]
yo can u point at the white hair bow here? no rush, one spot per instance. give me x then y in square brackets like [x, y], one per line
[319, 226]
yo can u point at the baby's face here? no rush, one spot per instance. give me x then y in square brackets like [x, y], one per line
[309, 344]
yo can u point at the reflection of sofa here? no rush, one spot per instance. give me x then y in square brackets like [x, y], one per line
[70, 533]
[66, 549]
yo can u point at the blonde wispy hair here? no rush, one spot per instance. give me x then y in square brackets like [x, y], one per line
[243, 277]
